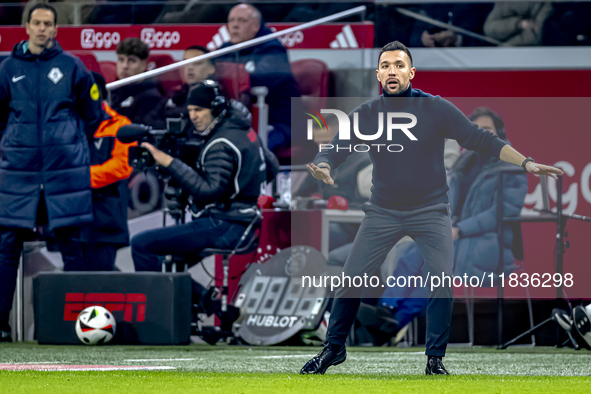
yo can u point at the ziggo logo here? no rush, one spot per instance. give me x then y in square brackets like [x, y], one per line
[290, 40]
[89, 39]
[160, 39]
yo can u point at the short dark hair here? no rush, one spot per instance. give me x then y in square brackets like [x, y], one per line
[43, 6]
[198, 48]
[133, 46]
[496, 118]
[395, 46]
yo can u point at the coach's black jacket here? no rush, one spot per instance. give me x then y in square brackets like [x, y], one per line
[412, 177]
[227, 178]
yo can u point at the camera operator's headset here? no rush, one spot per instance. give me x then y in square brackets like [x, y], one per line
[219, 107]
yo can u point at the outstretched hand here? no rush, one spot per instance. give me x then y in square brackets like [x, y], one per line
[322, 174]
[541, 169]
[164, 159]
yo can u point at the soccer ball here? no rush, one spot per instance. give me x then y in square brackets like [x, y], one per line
[95, 326]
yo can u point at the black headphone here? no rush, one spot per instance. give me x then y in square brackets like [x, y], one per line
[219, 103]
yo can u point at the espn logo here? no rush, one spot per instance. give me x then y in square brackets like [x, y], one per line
[114, 302]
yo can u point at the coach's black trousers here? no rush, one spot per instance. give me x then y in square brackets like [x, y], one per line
[380, 230]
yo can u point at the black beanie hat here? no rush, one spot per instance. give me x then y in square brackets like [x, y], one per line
[201, 96]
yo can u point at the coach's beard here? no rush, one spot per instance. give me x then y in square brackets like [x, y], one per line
[403, 92]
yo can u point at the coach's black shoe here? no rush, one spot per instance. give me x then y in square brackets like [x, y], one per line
[5, 336]
[583, 325]
[328, 356]
[435, 367]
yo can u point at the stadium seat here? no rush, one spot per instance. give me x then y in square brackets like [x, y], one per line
[311, 76]
[168, 81]
[109, 70]
[89, 60]
[235, 81]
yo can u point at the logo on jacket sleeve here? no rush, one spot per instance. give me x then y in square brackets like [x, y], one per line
[94, 92]
[55, 75]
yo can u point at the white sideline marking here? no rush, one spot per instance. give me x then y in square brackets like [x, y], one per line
[64, 367]
[160, 359]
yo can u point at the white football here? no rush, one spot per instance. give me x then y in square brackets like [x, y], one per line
[95, 326]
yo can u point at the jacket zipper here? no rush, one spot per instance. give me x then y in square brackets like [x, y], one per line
[39, 130]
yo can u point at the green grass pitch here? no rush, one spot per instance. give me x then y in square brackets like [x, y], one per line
[225, 369]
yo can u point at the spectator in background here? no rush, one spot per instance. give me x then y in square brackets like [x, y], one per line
[467, 16]
[517, 23]
[47, 100]
[136, 101]
[193, 73]
[70, 12]
[568, 24]
[109, 168]
[268, 66]
[194, 11]
[138, 12]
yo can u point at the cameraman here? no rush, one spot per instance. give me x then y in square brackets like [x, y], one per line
[224, 184]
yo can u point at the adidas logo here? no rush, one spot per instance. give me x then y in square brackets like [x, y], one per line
[219, 39]
[345, 39]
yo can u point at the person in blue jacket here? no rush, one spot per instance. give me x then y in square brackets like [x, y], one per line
[268, 66]
[49, 108]
[473, 192]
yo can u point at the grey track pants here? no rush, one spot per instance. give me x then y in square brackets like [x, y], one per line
[380, 230]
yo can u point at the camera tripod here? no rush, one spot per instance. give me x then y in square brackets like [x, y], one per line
[560, 218]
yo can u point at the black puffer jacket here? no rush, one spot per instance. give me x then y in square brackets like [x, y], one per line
[47, 102]
[230, 172]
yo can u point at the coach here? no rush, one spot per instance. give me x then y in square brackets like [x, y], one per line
[48, 100]
[409, 196]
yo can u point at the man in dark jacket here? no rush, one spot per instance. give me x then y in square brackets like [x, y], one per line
[408, 197]
[473, 193]
[224, 184]
[268, 66]
[108, 171]
[138, 101]
[176, 104]
[47, 101]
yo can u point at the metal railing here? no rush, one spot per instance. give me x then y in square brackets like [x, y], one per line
[257, 91]
[235, 48]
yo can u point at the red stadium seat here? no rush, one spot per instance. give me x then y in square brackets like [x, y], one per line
[109, 70]
[311, 76]
[88, 59]
[168, 81]
[234, 79]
